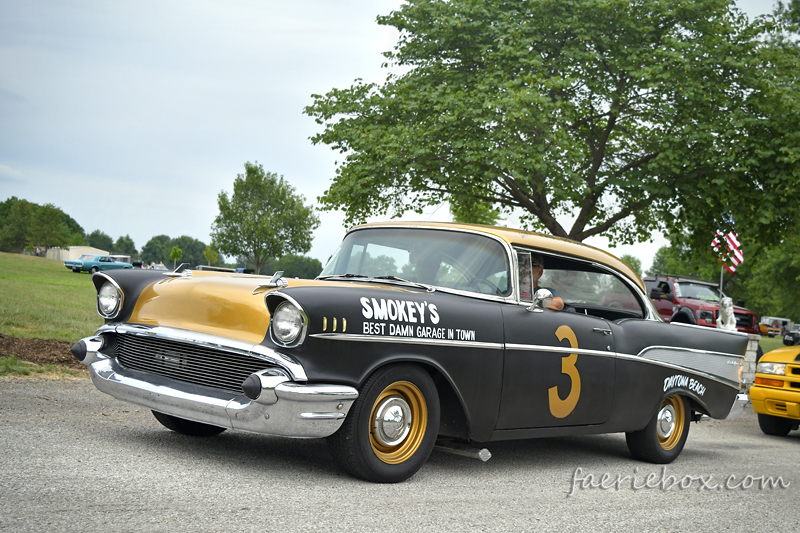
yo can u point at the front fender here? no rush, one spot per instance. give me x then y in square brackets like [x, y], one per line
[684, 314]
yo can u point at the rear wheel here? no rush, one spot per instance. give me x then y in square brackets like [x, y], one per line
[392, 426]
[775, 425]
[187, 427]
[94, 269]
[662, 440]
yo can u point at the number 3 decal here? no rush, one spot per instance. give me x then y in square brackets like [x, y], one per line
[558, 407]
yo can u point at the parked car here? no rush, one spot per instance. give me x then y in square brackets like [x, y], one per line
[413, 334]
[694, 301]
[776, 391]
[94, 263]
[773, 325]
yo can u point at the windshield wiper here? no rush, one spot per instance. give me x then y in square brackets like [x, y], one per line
[428, 288]
[336, 276]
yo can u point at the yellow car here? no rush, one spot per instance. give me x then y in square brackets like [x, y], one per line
[776, 392]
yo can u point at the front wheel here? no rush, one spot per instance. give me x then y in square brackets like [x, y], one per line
[187, 427]
[774, 425]
[662, 440]
[93, 270]
[392, 426]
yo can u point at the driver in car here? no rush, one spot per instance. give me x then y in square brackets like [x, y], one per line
[537, 269]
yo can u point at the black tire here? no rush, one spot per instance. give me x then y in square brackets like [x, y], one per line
[662, 448]
[759, 353]
[187, 427]
[365, 450]
[77, 271]
[775, 425]
[93, 270]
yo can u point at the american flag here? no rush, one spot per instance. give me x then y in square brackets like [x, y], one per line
[726, 245]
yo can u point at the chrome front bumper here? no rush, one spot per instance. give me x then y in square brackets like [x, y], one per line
[299, 410]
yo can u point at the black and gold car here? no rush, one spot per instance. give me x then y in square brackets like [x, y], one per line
[415, 334]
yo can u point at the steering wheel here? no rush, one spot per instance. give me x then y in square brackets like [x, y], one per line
[476, 282]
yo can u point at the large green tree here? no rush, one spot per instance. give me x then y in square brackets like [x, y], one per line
[25, 224]
[159, 248]
[626, 117]
[124, 246]
[295, 266]
[48, 228]
[100, 240]
[264, 218]
[156, 250]
[14, 232]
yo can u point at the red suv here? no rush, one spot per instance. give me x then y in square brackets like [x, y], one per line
[693, 301]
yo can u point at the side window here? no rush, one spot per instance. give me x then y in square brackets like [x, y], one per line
[586, 288]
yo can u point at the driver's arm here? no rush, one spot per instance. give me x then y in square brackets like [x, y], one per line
[557, 305]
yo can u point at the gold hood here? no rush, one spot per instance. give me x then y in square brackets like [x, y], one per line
[209, 302]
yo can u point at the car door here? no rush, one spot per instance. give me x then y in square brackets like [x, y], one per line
[559, 369]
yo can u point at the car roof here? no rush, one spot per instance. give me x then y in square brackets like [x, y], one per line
[529, 239]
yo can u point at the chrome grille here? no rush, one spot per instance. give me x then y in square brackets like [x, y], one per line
[192, 363]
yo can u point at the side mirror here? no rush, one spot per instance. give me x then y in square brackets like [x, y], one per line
[541, 298]
[740, 303]
[790, 339]
[657, 294]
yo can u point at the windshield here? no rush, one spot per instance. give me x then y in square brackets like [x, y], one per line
[442, 258]
[697, 291]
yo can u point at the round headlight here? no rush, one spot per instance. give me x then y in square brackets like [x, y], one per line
[287, 323]
[108, 299]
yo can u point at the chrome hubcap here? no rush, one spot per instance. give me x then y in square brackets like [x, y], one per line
[392, 421]
[666, 421]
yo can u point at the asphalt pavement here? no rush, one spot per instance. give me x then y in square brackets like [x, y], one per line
[75, 459]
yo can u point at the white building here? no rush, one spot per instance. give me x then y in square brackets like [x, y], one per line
[72, 252]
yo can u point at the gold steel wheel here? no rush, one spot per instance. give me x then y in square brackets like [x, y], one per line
[670, 421]
[398, 420]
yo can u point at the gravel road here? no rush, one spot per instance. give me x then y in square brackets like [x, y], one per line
[76, 459]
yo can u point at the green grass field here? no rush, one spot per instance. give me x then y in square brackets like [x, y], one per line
[767, 344]
[39, 298]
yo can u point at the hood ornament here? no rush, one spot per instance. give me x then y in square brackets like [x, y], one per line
[277, 281]
[183, 271]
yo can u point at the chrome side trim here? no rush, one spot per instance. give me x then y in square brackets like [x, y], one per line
[725, 366]
[559, 349]
[685, 325]
[287, 362]
[407, 340]
[693, 370]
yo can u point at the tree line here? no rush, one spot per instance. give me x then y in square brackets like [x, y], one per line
[25, 225]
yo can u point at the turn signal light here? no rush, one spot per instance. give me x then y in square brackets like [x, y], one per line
[769, 382]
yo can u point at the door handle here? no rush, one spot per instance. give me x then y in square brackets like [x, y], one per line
[605, 332]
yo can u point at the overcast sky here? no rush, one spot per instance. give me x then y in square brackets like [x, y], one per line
[133, 116]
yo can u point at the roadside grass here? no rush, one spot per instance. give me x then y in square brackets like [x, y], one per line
[767, 344]
[41, 299]
[11, 366]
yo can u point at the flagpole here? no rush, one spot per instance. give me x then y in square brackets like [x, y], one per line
[721, 271]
